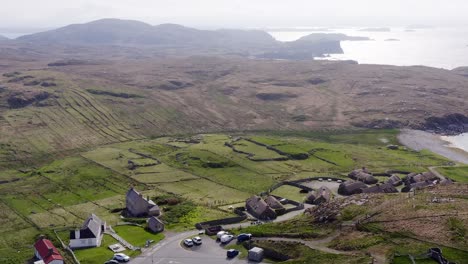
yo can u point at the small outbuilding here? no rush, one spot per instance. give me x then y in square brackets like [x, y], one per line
[256, 254]
[322, 195]
[155, 225]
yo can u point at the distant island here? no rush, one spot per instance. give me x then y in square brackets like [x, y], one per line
[382, 29]
[392, 39]
[3, 38]
[246, 43]
[296, 29]
[332, 37]
[419, 27]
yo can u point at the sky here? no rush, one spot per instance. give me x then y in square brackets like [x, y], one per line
[236, 13]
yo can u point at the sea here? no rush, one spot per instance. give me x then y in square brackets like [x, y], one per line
[459, 141]
[439, 47]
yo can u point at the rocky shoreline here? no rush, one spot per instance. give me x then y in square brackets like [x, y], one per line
[419, 140]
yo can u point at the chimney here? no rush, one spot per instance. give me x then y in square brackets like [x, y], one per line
[147, 198]
[51, 252]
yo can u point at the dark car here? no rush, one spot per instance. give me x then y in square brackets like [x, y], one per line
[232, 253]
[112, 261]
[244, 237]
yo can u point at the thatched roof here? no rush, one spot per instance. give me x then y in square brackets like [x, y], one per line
[394, 180]
[381, 188]
[351, 187]
[273, 202]
[363, 175]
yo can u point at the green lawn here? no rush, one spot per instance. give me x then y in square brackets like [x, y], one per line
[137, 236]
[459, 174]
[290, 193]
[99, 255]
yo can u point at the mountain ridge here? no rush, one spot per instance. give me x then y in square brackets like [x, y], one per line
[256, 43]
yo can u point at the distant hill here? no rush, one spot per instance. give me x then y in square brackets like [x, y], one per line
[255, 43]
[3, 38]
[130, 32]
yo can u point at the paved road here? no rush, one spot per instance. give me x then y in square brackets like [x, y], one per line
[169, 250]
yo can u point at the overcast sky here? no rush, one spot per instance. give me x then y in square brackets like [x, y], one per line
[236, 13]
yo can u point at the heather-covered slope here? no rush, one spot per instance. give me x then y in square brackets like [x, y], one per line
[67, 107]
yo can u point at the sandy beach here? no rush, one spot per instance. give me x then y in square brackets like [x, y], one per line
[419, 140]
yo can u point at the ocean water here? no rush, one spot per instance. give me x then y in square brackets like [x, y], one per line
[435, 47]
[459, 141]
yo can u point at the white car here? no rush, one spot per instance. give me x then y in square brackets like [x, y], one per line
[226, 239]
[197, 240]
[188, 242]
[221, 233]
[121, 257]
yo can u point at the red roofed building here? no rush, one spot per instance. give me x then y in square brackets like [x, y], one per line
[45, 250]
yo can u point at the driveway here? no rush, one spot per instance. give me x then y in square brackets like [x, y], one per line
[170, 251]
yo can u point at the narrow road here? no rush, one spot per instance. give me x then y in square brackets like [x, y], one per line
[170, 250]
[319, 244]
[436, 173]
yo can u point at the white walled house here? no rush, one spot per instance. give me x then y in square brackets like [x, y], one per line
[89, 235]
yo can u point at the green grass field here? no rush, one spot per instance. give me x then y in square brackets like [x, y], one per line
[459, 174]
[62, 193]
[137, 236]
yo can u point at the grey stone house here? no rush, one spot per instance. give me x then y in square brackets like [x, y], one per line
[139, 206]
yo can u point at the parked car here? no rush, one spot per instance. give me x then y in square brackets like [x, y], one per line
[112, 261]
[188, 242]
[221, 233]
[329, 180]
[121, 257]
[226, 239]
[244, 237]
[339, 181]
[232, 253]
[320, 179]
[197, 240]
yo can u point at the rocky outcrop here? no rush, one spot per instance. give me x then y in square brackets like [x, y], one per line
[275, 96]
[174, 85]
[20, 100]
[113, 94]
[380, 124]
[71, 62]
[451, 124]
